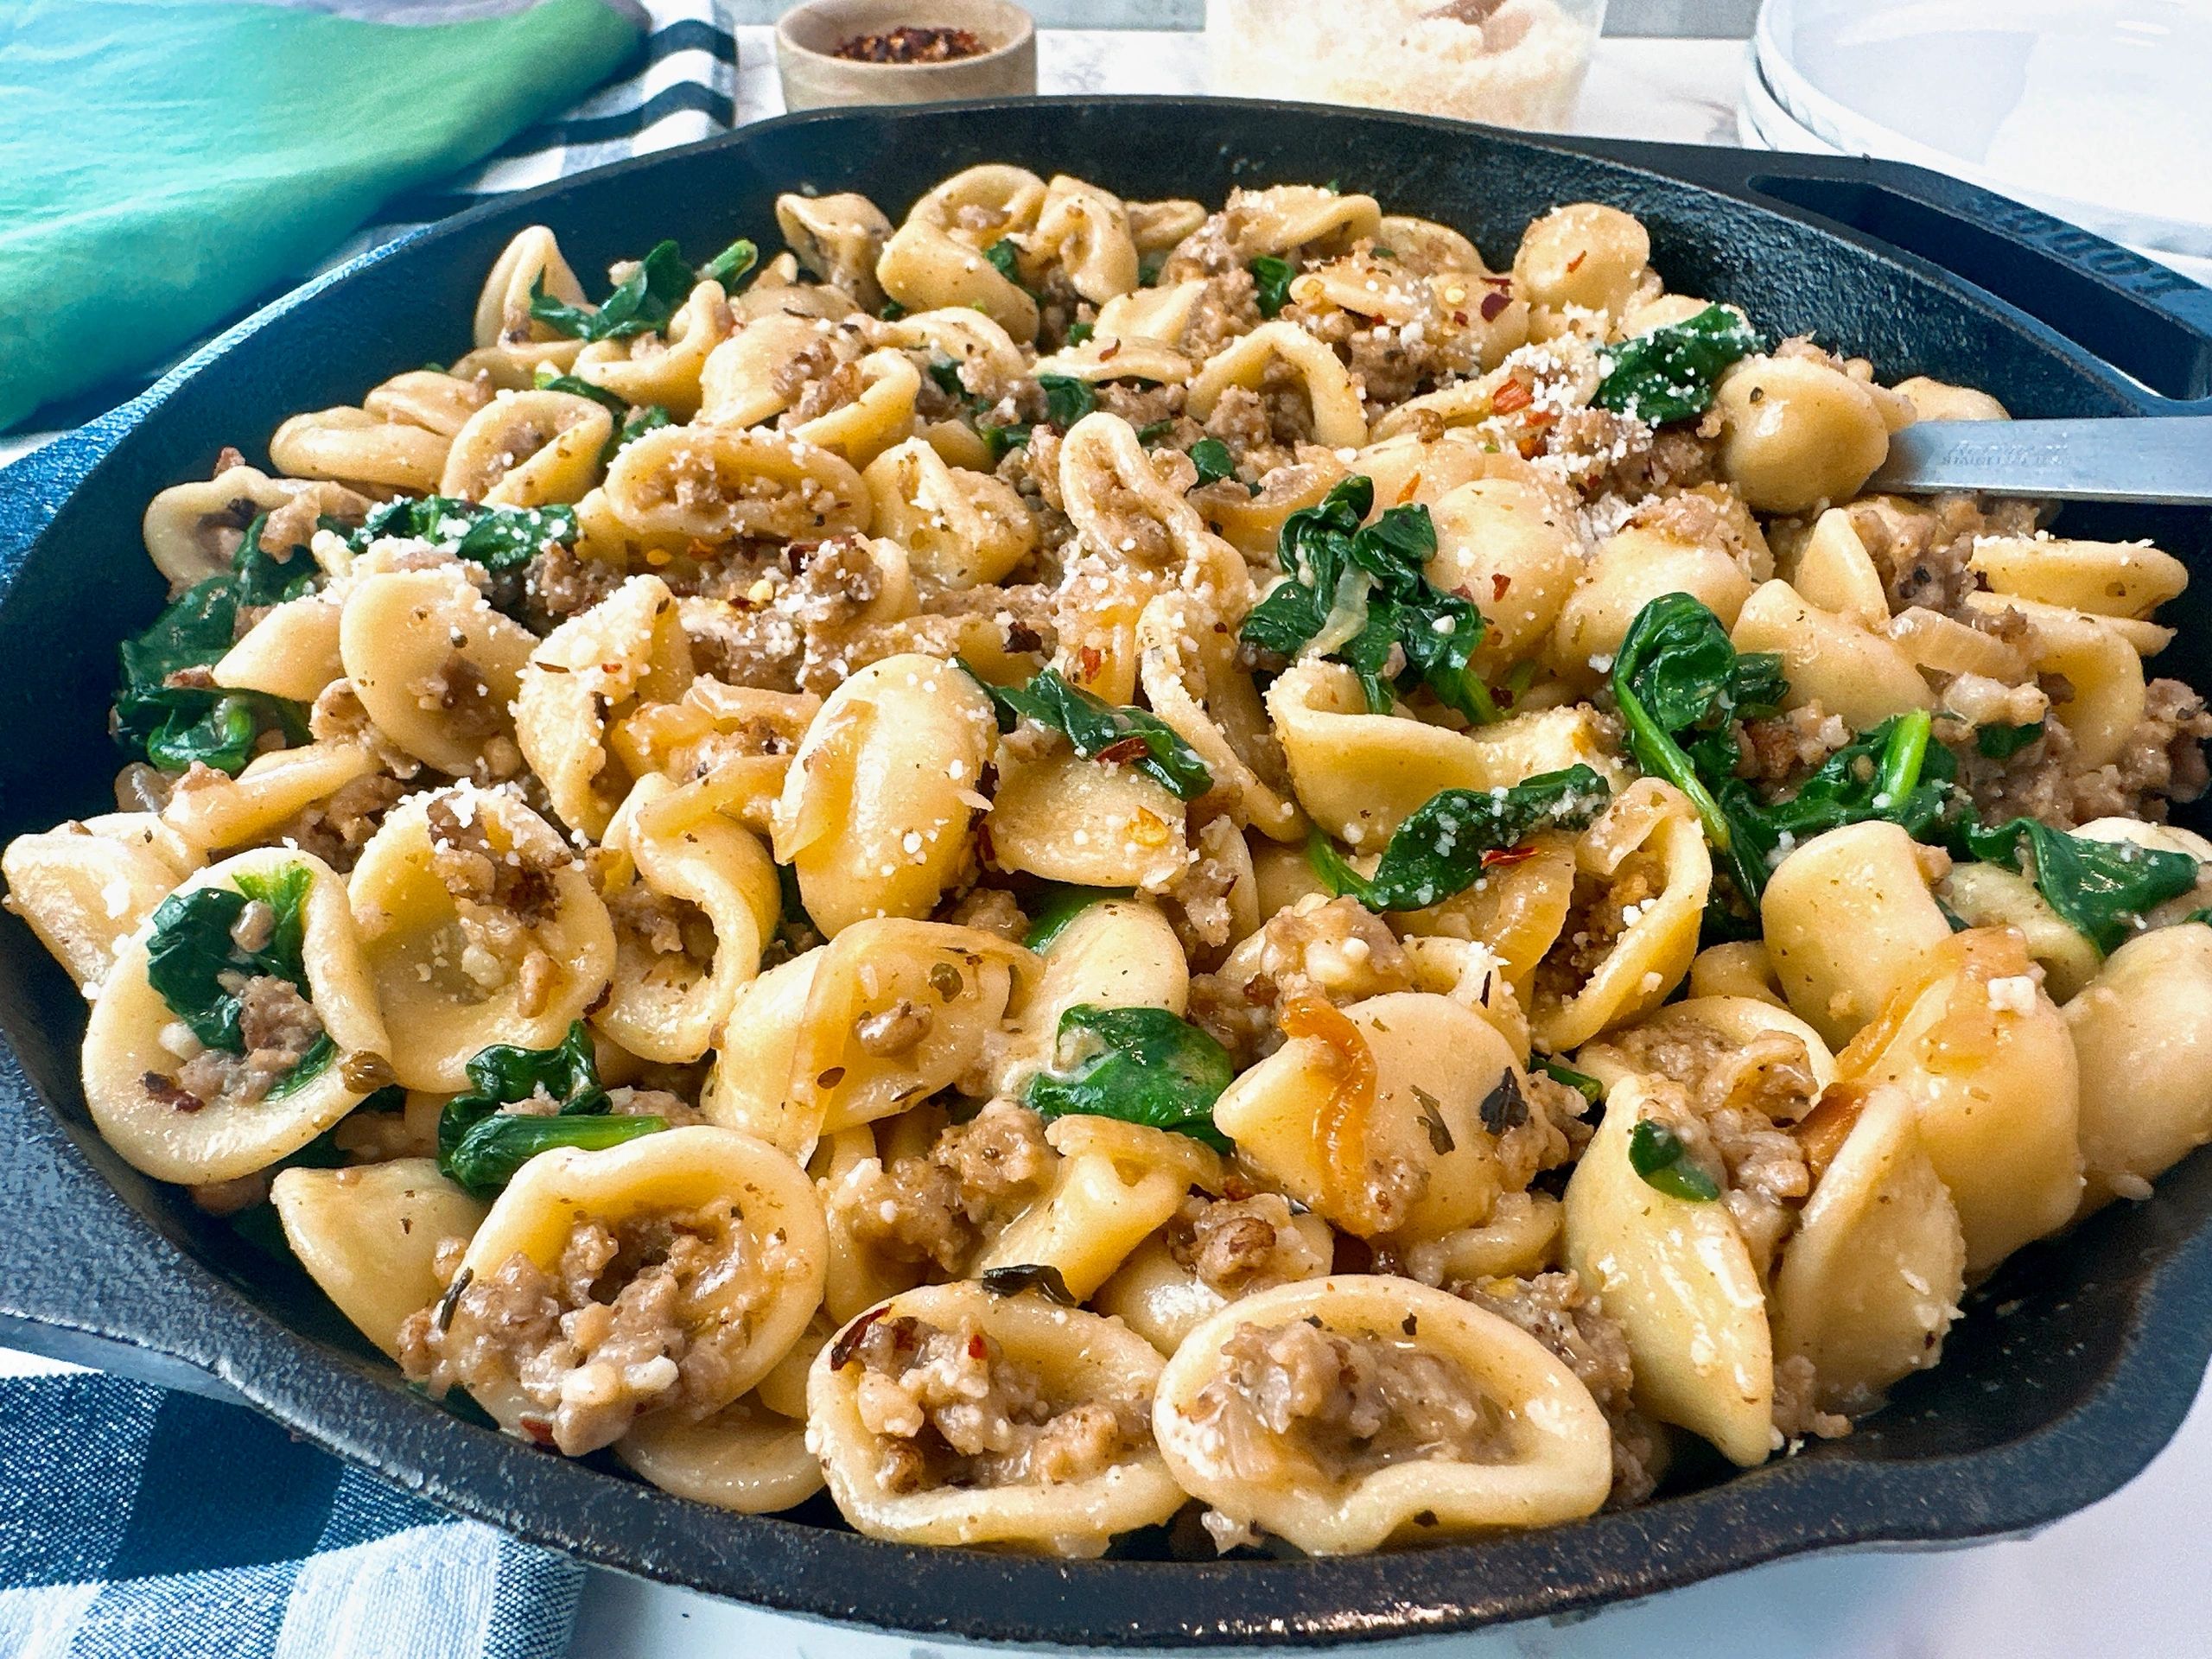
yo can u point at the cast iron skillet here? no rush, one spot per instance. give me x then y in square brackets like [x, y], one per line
[2075, 1367]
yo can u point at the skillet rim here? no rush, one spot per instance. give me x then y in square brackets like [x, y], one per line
[1784, 1509]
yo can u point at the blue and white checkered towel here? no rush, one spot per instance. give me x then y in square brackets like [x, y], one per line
[136, 1524]
[140, 1524]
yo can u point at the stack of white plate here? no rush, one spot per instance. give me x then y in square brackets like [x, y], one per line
[2099, 111]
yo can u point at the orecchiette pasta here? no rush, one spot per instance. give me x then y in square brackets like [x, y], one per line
[370, 1237]
[875, 811]
[1048, 1408]
[866, 866]
[729, 1227]
[273, 1062]
[477, 927]
[1678, 1275]
[1459, 1421]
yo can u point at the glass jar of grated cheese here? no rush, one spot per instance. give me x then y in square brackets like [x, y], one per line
[1513, 63]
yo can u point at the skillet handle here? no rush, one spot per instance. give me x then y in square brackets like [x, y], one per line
[2145, 319]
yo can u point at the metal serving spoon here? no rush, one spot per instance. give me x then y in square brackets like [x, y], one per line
[2165, 459]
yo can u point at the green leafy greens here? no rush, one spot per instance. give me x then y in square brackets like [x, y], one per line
[2099, 887]
[629, 422]
[1356, 593]
[174, 724]
[645, 300]
[193, 949]
[1142, 1065]
[1211, 457]
[2003, 742]
[482, 1146]
[499, 539]
[1657, 1153]
[1443, 847]
[1100, 732]
[1680, 684]
[1669, 373]
[1581, 1082]
[998, 440]
[1274, 277]
[1067, 399]
[1057, 905]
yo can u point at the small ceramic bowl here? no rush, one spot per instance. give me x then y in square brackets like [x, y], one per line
[813, 75]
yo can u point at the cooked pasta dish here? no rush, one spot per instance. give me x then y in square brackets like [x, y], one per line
[1084, 865]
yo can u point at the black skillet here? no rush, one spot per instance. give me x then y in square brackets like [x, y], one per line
[2074, 1368]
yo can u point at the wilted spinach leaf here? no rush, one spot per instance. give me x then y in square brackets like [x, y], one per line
[1679, 685]
[1142, 1065]
[1006, 259]
[1059, 906]
[1100, 731]
[1274, 277]
[2003, 742]
[1067, 399]
[499, 539]
[642, 302]
[481, 1147]
[997, 438]
[1211, 457]
[1044, 1278]
[1581, 1082]
[577, 386]
[1669, 373]
[192, 949]
[1656, 1152]
[2099, 887]
[1444, 845]
[732, 262]
[172, 726]
[1356, 593]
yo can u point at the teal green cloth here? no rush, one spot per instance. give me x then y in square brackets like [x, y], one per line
[163, 162]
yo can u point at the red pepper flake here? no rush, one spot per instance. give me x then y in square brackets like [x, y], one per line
[1122, 750]
[1499, 581]
[910, 44]
[1575, 264]
[1088, 661]
[1511, 396]
[976, 1347]
[1459, 317]
[1409, 488]
[171, 1094]
[539, 1429]
[1110, 351]
[1492, 304]
[1498, 857]
[848, 1341]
